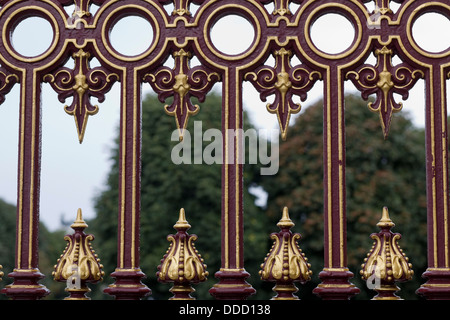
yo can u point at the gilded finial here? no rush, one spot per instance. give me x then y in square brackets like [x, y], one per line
[79, 263]
[182, 264]
[285, 263]
[386, 263]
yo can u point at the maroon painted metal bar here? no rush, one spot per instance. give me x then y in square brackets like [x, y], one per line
[128, 274]
[438, 271]
[26, 273]
[335, 275]
[232, 275]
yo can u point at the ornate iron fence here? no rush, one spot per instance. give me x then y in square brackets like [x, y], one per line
[282, 34]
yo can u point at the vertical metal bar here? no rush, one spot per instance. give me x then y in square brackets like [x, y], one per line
[232, 275]
[335, 275]
[26, 273]
[128, 275]
[438, 271]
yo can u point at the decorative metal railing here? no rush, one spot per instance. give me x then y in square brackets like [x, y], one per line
[282, 34]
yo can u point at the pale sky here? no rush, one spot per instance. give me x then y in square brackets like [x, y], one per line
[73, 173]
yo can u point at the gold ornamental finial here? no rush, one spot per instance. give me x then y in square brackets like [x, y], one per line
[386, 263]
[182, 264]
[79, 263]
[285, 263]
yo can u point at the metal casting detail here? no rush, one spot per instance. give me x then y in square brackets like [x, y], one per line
[384, 80]
[185, 31]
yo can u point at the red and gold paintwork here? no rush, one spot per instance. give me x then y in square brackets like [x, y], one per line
[281, 33]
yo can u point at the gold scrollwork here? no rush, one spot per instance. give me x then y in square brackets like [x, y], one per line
[182, 82]
[385, 80]
[283, 81]
[81, 83]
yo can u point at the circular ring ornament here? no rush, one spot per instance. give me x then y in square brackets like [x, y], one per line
[115, 16]
[15, 19]
[217, 15]
[431, 7]
[342, 10]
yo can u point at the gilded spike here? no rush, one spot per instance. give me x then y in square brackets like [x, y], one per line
[81, 83]
[283, 81]
[386, 263]
[385, 80]
[285, 263]
[182, 82]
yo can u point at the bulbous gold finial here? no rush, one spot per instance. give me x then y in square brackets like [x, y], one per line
[182, 264]
[79, 263]
[386, 263]
[285, 263]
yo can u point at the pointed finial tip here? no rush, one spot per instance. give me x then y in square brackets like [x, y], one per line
[385, 220]
[182, 222]
[285, 221]
[79, 222]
